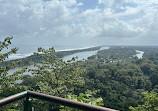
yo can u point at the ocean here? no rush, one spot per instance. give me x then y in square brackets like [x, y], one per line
[27, 50]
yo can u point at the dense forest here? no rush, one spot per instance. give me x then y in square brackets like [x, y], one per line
[113, 78]
[121, 80]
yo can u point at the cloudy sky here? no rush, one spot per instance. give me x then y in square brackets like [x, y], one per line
[80, 22]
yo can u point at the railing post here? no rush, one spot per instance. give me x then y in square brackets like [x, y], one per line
[27, 105]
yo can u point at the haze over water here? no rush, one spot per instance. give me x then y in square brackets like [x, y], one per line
[27, 50]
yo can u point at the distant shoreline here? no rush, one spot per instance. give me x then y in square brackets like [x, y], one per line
[29, 60]
[76, 49]
[21, 55]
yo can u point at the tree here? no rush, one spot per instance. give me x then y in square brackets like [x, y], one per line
[87, 97]
[7, 81]
[57, 77]
[150, 102]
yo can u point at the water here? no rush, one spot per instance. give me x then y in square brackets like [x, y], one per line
[81, 56]
[11, 71]
[27, 50]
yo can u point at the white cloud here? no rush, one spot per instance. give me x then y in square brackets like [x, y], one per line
[59, 20]
[24, 17]
[80, 4]
[111, 3]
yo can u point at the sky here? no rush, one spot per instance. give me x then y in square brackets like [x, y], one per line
[80, 22]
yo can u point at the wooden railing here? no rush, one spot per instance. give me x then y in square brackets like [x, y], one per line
[53, 99]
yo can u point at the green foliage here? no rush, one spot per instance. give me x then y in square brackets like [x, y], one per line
[119, 77]
[137, 52]
[55, 76]
[150, 102]
[7, 81]
[116, 54]
[88, 97]
[4, 44]
[121, 83]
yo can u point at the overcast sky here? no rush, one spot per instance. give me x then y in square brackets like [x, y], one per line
[80, 22]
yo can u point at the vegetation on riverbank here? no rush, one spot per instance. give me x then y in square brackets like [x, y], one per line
[112, 78]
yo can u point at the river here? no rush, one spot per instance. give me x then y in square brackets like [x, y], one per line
[81, 56]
